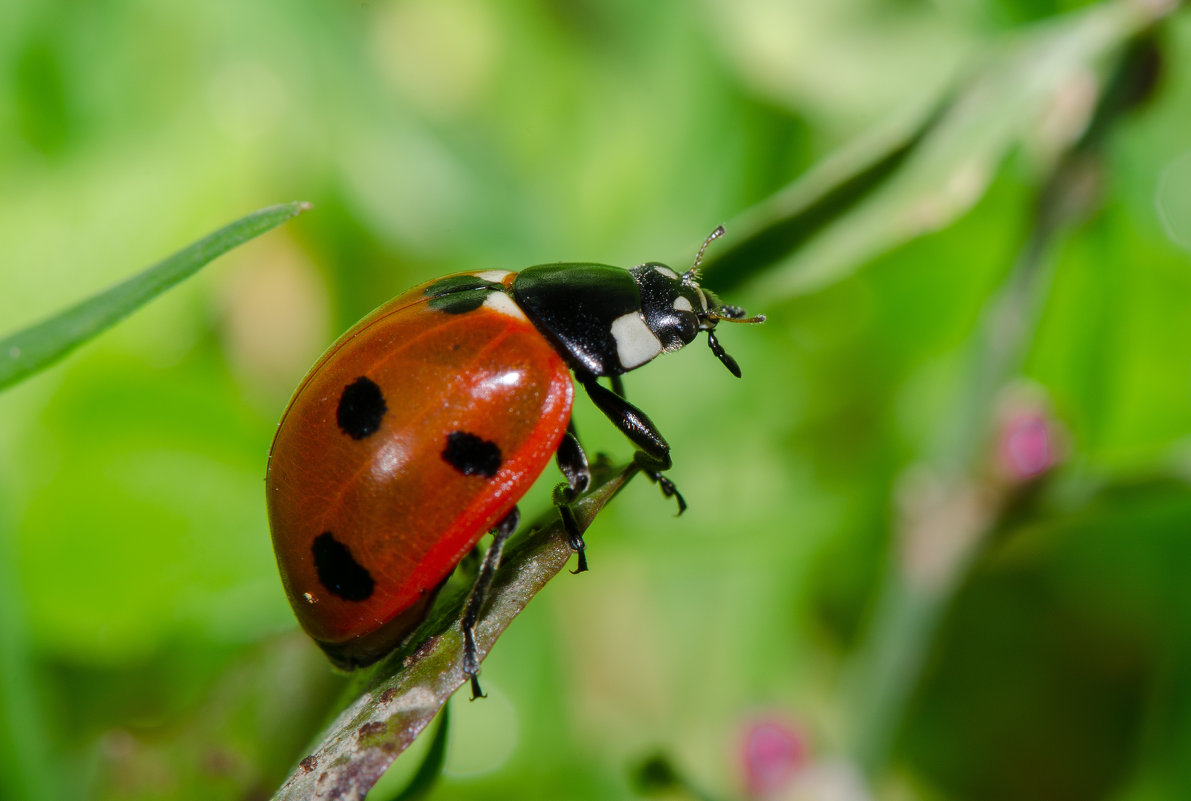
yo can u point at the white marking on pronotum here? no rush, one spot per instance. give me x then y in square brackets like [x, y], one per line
[635, 343]
[495, 276]
[501, 303]
[682, 304]
[666, 271]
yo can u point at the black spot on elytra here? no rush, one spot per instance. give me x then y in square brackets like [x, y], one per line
[460, 302]
[361, 408]
[458, 283]
[459, 294]
[472, 455]
[338, 570]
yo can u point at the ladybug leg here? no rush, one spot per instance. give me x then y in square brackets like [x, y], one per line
[470, 563]
[572, 462]
[654, 454]
[479, 593]
[653, 469]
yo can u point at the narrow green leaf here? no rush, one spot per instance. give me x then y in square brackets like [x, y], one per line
[404, 692]
[26, 352]
[780, 226]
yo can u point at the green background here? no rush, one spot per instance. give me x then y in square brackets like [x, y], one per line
[147, 648]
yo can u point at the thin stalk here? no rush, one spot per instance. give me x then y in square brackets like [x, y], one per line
[938, 541]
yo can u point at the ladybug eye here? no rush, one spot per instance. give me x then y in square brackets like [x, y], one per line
[675, 325]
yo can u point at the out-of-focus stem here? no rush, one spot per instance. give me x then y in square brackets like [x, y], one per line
[950, 506]
[24, 746]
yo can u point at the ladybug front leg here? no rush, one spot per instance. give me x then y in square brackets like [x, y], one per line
[479, 593]
[572, 462]
[654, 454]
[617, 385]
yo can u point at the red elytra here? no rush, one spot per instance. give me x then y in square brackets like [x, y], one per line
[413, 436]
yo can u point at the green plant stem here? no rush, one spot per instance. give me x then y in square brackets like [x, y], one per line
[910, 603]
[25, 771]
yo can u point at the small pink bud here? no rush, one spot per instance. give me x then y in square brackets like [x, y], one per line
[1027, 445]
[772, 753]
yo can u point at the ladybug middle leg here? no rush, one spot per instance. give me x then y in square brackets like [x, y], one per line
[572, 462]
[479, 593]
[654, 454]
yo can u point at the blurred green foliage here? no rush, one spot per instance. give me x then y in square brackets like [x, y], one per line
[146, 648]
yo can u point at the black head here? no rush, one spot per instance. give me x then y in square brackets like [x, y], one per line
[677, 309]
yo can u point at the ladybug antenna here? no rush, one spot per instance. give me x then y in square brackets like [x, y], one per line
[692, 276]
[720, 312]
[735, 314]
[716, 234]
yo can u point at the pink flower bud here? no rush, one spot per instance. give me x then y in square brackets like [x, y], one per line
[772, 752]
[1027, 446]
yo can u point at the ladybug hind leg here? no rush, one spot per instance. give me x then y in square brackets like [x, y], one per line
[572, 462]
[479, 593]
[653, 455]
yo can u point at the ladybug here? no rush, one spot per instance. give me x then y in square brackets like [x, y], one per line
[419, 430]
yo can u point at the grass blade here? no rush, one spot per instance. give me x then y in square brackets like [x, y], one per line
[33, 349]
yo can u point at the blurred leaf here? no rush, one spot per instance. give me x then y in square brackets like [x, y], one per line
[26, 352]
[781, 226]
[902, 184]
[404, 692]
